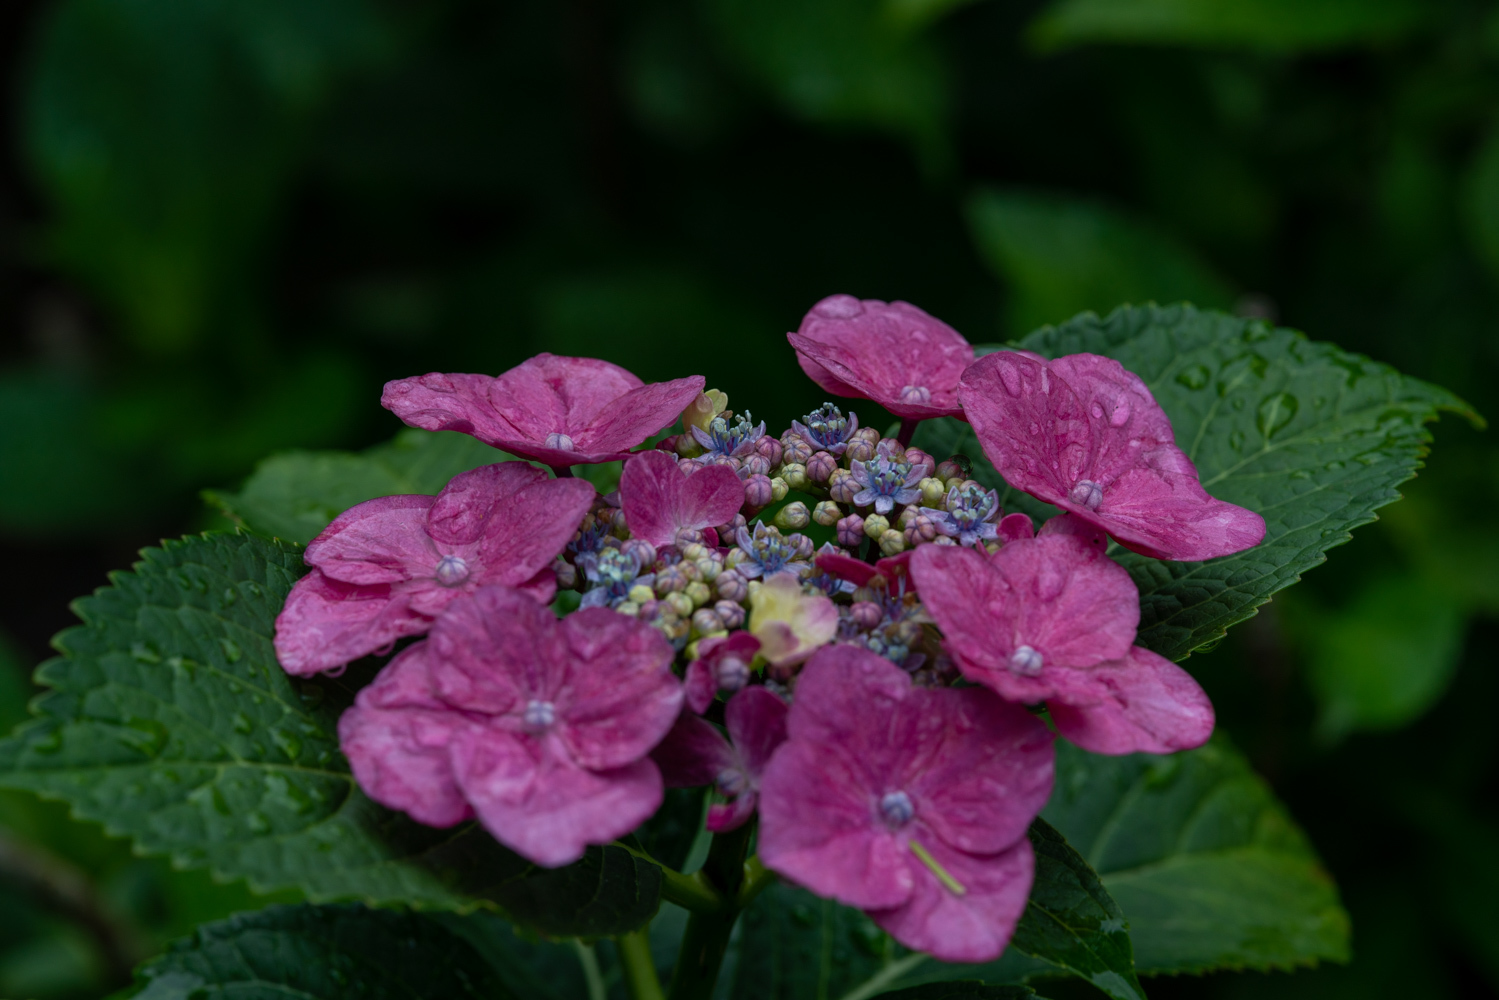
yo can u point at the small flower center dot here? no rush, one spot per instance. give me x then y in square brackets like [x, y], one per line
[1087, 494]
[1026, 661]
[731, 781]
[559, 441]
[915, 394]
[451, 571]
[539, 715]
[896, 809]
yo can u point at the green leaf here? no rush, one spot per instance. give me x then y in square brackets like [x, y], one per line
[1059, 256]
[965, 990]
[1311, 437]
[1385, 658]
[295, 494]
[793, 945]
[1072, 922]
[328, 951]
[1207, 865]
[171, 722]
[1273, 25]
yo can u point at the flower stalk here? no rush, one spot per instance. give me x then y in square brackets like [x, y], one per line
[707, 935]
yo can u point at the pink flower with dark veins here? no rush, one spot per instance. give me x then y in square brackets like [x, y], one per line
[384, 569]
[910, 803]
[558, 411]
[1083, 433]
[722, 664]
[659, 499]
[891, 353]
[695, 753]
[1053, 619]
[541, 728]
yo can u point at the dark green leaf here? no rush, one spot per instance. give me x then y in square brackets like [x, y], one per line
[328, 951]
[961, 990]
[1312, 438]
[171, 722]
[1208, 867]
[1059, 256]
[1072, 922]
[669, 835]
[295, 494]
[1274, 25]
[792, 945]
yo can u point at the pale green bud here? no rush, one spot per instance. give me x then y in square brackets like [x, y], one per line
[640, 593]
[876, 525]
[827, 514]
[933, 491]
[892, 542]
[680, 603]
[699, 593]
[778, 489]
[795, 476]
[793, 517]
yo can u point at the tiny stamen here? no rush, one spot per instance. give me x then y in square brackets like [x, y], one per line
[1026, 661]
[943, 875]
[539, 715]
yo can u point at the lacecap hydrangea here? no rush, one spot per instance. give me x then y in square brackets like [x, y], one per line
[844, 636]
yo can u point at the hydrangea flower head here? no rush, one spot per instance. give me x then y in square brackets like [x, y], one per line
[885, 482]
[1053, 619]
[909, 803]
[827, 429]
[891, 353]
[386, 568]
[1085, 434]
[659, 499]
[695, 753]
[540, 728]
[556, 410]
[790, 623]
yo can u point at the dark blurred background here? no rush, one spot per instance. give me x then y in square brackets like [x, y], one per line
[226, 222]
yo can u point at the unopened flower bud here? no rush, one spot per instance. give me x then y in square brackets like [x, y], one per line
[769, 449]
[726, 532]
[701, 411]
[649, 610]
[566, 573]
[802, 546]
[758, 492]
[732, 673]
[628, 608]
[794, 449]
[733, 559]
[955, 483]
[921, 529]
[619, 529]
[933, 491]
[820, 467]
[689, 465]
[793, 517]
[876, 525]
[868, 434]
[907, 515]
[944, 540]
[891, 449]
[670, 580]
[695, 551]
[866, 614]
[842, 486]
[950, 469]
[699, 593]
[689, 570]
[730, 613]
[731, 586]
[680, 603]
[858, 450]
[641, 550]
[640, 593]
[795, 475]
[892, 542]
[705, 620]
[920, 459]
[851, 531]
[778, 489]
[827, 513]
[755, 465]
[709, 567]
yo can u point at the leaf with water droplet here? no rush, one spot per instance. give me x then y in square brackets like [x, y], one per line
[1275, 412]
[231, 649]
[1195, 377]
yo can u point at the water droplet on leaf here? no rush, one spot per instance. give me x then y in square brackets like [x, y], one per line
[1275, 412]
[1195, 377]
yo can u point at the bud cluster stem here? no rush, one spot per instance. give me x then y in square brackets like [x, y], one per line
[707, 935]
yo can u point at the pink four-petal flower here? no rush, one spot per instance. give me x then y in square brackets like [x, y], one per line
[540, 728]
[695, 753]
[910, 803]
[386, 568]
[891, 353]
[1085, 434]
[559, 411]
[1053, 619]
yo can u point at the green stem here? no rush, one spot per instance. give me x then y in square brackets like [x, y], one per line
[707, 935]
[591, 974]
[691, 892]
[639, 968]
[756, 878]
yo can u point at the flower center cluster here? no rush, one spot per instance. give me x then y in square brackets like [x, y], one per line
[539, 716]
[560, 441]
[727, 441]
[1026, 661]
[768, 551]
[896, 809]
[915, 394]
[451, 571]
[1087, 494]
[827, 429]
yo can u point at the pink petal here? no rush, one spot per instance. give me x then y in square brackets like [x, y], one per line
[620, 697]
[726, 816]
[756, 720]
[817, 829]
[535, 800]
[876, 350]
[986, 775]
[845, 567]
[494, 648]
[699, 688]
[531, 527]
[465, 509]
[1050, 426]
[659, 498]
[970, 601]
[379, 541]
[631, 418]
[550, 393]
[396, 737]
[326, 623]
[451, 402]
[693, 753]
[1153, 706]
[542, 587]
[1015, 527]
[973, 927]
